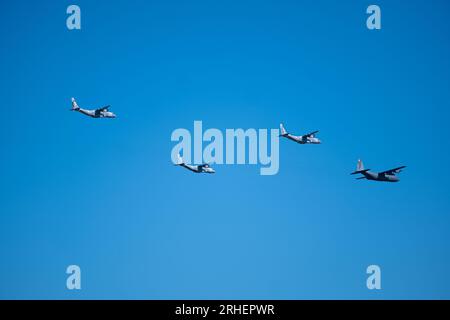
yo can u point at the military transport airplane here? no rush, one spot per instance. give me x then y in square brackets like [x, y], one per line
[386, 176]
[203, 168]
[309, 138]
[97, 113]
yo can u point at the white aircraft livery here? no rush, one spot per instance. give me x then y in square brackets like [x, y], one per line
[309, 138]
[97, 113]
[203, 168]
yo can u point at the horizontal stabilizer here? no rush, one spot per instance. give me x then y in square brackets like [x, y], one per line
[360, 171]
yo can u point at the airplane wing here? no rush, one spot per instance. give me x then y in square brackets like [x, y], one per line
[360, 171]
[103, 109]
[392, 171]
[311, 134]
[361, 178]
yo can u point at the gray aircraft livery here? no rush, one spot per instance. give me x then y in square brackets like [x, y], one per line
[203, 168]
[386, 176]
[309, 138]
[97, 113]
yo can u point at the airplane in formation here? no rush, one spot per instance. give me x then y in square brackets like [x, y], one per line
[309, 138]
[385, 176]
[96, 113]
[203, 168]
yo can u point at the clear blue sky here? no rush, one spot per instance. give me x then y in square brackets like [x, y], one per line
[103, 194]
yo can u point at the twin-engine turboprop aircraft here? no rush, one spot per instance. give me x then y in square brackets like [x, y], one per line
[309, 138]
[97, 113]
[203, 168]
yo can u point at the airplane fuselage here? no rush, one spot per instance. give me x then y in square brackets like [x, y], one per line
[302, 139]
[198, 169]
[380, 177]
[94, 114]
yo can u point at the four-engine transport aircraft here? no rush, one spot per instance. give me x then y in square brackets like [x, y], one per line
[386, 176]
[203, 168]
[309, 138]
[97, 113]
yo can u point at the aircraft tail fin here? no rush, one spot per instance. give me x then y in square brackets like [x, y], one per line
[283, 130]
[74, 105]
[179, 160]
[360, 168]
[359, 165]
